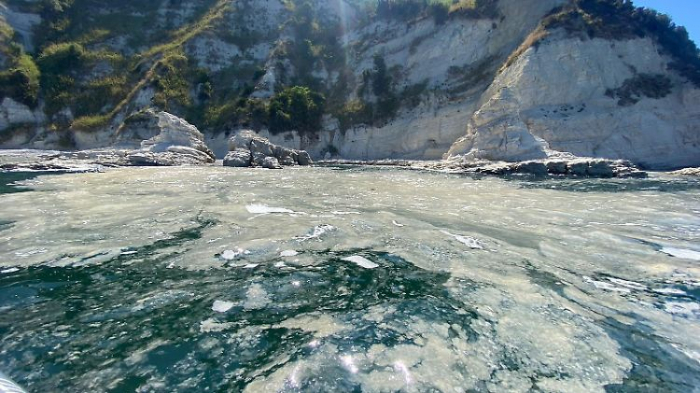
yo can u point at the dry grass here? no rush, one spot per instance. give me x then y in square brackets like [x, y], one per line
[463, 5]
[156, 55]
[532, 40]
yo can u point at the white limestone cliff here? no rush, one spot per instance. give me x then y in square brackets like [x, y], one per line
[549, 102]
[552, 101]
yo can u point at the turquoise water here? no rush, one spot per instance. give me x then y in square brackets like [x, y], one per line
[207, 279]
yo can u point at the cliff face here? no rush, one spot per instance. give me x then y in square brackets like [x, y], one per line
[572, 96]
[501, 80]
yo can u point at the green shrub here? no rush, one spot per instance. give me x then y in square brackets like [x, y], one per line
[91, 123]
[62, 57]
[100, 95]
[22, 81]
[170, 81]
[353, 113]
[296, 108]
[6, 31]
[654, 86]
[621, 20]
[242, 111]
[439, 10]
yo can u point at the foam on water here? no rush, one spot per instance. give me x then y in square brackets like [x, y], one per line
[264, 209]
[222, 306]
[682, 253]
[685, 309]
[361, 262]
[317, 233]
[470, 242]
[138, 279]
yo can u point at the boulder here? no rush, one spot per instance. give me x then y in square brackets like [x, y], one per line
[258, 159]
[262, 145]
[577, 168]
[600, 168]
[556, 167]
[532, 168]
[161, 132]
[286, 156]
[238, 158]
[271, 163]
[259, 149]
[241, 140]
[287, 161]
[303, 158]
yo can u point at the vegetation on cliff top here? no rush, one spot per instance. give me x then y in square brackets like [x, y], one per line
[439, 10]
[621, 20]
[94, 57]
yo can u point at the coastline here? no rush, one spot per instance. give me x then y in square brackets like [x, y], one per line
[30, 160]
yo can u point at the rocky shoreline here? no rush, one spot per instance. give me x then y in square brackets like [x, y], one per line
[98, 160]
[575, 167]
[151, 138]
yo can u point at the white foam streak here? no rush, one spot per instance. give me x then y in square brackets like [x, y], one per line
[221, 306]
[682, 253]
[361, 262]
[470, 242]
[264, 209]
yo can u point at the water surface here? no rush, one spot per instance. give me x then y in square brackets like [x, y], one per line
[360, 279]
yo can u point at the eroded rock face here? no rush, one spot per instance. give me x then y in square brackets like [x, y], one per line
[546, 105]
[249, 149]
[161, 137]
[16, 117]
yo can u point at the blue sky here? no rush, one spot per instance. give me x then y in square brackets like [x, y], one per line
[683, 12]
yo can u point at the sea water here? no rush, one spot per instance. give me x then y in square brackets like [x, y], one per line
[347, 279]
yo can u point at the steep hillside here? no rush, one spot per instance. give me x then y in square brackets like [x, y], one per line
[594, 80]
[495, 79]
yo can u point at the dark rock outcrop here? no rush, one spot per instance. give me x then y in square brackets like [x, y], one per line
[246, 148]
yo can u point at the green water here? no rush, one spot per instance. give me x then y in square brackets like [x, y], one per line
[119, 282]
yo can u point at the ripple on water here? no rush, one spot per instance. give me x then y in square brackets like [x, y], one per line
[400, 297]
